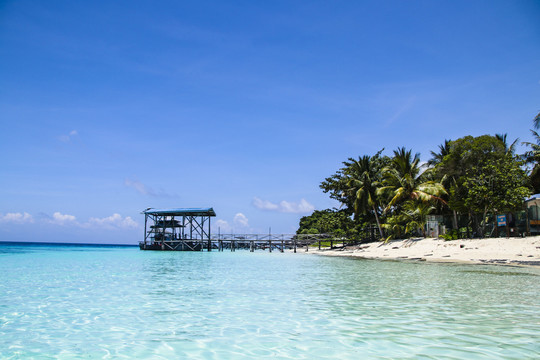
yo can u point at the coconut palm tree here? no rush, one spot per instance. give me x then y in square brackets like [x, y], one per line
[532, 157]
[509, 149]
[536, 121]
[363, 182]
[404, 180]
[437, 158]
[416, 214]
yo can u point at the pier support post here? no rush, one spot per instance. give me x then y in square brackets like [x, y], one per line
[270, 245]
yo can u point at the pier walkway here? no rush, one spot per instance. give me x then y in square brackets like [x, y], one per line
[188, 229]
[251, 242]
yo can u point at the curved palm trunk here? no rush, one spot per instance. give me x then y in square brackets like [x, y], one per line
[378, 222]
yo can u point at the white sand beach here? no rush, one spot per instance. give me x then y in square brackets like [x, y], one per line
[503, 251]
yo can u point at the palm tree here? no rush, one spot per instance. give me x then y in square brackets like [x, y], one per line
[437, 158]
[363, 183]
[536, 121]
[509, 149]
[404, 180]
[532, 156]
[416, 214]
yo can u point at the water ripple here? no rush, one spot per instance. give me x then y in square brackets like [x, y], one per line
[124, 303]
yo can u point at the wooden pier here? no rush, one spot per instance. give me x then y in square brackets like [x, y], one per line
[188, 229]
[251, 242]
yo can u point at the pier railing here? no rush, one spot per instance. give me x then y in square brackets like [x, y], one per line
[252, 242]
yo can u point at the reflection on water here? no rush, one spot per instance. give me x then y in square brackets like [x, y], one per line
[122, 302]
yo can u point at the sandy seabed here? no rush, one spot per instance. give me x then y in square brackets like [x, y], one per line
[502, 251]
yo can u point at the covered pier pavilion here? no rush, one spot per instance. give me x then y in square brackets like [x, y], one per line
[183, 229]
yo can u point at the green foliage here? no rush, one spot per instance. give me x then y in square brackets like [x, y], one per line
[403, 180]
[355, 186]
[325, 222]
[451, 235]
[473, 176]
[499, 186]
[532, 157]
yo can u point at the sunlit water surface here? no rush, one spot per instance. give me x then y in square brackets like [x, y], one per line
[111, 302]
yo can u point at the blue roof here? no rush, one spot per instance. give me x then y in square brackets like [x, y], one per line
[181, 211]
[533, 197]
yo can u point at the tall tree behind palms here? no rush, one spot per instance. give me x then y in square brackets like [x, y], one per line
[404, 180]
[364, 180]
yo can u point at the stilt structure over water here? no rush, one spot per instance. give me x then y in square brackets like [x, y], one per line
[177, 229]
[189, 230]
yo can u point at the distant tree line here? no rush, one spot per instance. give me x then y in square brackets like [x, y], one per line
[471, 177]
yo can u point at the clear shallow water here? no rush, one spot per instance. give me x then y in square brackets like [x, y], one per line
[113, 302]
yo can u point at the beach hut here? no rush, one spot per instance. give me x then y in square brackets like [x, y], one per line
[182, 229]
[533, 213]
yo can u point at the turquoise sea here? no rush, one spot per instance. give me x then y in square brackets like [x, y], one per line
[106, 302]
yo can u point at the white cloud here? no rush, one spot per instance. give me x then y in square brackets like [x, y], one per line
[68, 137]
[113, 221]
[17, 218]
[139, 187]
[223, 226]
[145, 189]
[63, 219]
[265, 204]
[241, 220]
[284, 206]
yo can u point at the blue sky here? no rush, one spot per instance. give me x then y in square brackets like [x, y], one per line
[107, 108]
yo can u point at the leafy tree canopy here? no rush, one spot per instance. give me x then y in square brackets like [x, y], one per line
[325, 222]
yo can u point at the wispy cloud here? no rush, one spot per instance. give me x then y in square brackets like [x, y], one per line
[111, 222]
[284, 206]
[241, 220]
[223, 226]
[145, 189]
[68, 137]
[115, 221]
[63, 219]
[402, 109]
[17, 218]
[239, 223]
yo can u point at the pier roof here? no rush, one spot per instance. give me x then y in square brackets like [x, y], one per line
[181, 212]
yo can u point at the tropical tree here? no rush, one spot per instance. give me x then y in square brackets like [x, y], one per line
[364, 179]
[532, 157]
[499, 186]
[355, 186]
[438, 157]
[324, 222]
[536, 121]
[404, 180]
[478, 166]
[416, 214]
[509, 148]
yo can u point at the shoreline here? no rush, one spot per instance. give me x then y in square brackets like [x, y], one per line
[493, 251]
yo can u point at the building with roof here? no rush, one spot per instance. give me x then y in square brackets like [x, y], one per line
[182, 229]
